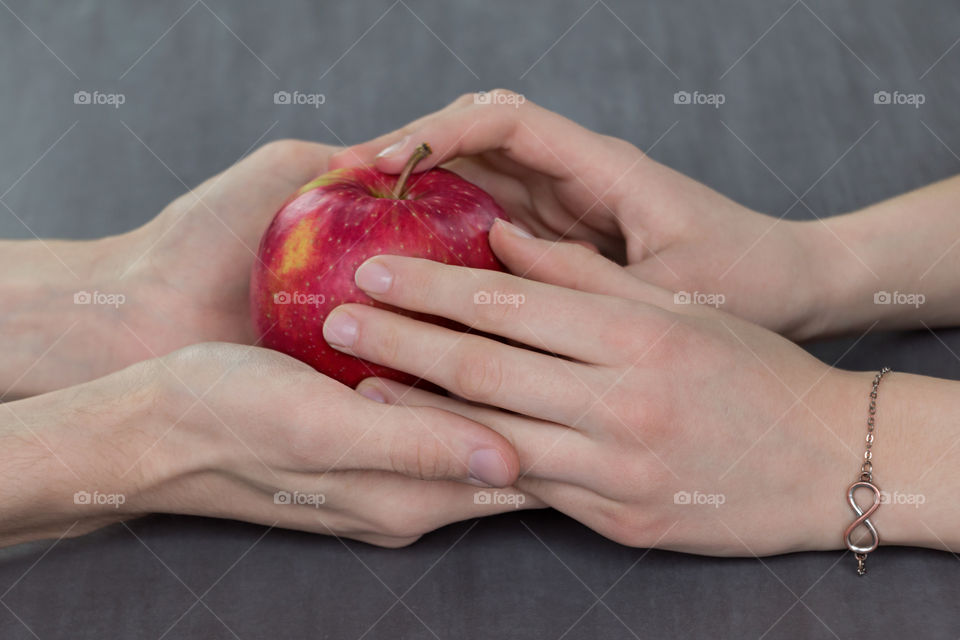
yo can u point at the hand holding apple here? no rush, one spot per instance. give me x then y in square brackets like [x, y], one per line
[234, 431]
[645, 400]
[185, 277]
[563, 181]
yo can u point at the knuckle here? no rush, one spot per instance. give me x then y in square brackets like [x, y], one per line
[425, 459]
[383, 346]
[639, 332]
[639, 418]
[590, 267]
[502, 93]
[622, 334]
[291, 157]
[478, 374]
[464, 99]
[492, 313]
[635, 478]
[405, 527]
[625, 524]
[419, 281]
[282, 148]
[619, 146]
[509, 98]
[616, 520]
[666, 342]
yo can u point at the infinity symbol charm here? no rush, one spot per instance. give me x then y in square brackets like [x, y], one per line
[863, 518]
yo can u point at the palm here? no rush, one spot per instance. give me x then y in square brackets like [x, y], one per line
[568, 208]
[194, 259]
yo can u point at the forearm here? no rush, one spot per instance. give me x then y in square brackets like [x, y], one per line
[65, 467]
[52, 332]
[895, 262]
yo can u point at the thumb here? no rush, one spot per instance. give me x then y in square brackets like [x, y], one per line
[569, 264]
[433, 444]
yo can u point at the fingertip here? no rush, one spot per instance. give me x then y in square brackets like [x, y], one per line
[393, 150]
[390, 390]
[371, 391]
[490, 467]
[511, 244]
[512, 229]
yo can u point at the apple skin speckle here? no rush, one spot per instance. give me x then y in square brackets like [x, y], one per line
[442, 217]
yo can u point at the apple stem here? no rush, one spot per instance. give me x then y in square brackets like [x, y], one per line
[421, 152]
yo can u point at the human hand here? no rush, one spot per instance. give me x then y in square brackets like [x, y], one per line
[240, 432]
[647, 402]
[181, 279]
[561, 180]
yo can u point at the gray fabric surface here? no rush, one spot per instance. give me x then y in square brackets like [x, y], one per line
[799, 98]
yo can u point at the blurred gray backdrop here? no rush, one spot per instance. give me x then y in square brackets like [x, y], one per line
[198, 79]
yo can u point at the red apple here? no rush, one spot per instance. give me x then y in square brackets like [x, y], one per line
[316, 241]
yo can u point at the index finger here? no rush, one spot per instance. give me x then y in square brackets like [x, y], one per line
[583, 326]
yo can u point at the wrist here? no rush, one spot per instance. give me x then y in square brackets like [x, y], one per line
[913, 465]
[836, 282]
[911, 462]
[835, 425]
[62, 302]
[865, 274]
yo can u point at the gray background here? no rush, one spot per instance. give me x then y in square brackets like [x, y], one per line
[799, 99]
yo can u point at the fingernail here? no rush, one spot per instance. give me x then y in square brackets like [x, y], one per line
[371, 393]
[514, 229]
[487, 466]
[340, 329]
[373, 277]
[392, 149]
